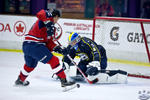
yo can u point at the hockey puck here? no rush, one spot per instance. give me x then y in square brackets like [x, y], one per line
[78, 85]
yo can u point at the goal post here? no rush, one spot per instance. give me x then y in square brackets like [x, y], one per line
[125, 39]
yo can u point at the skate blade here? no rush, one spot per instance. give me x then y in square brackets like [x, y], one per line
[20, 85]
[67, 88]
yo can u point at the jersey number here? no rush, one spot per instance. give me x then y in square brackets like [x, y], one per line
[83, 56]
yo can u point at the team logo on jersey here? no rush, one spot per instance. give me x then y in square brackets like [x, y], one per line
[144, 95]
[19, 28]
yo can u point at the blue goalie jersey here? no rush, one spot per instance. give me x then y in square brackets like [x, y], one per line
[88, 51]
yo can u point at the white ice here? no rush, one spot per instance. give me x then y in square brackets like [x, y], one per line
[43, 87]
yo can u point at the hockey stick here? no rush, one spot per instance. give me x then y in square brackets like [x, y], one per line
[111, 72]
[90, 82]
[129, 74]
[139, 76]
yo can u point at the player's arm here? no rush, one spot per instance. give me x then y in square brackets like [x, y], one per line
[93, 50]
[47, 18]
[71, 52]
[50, 44]
[44, 15]
[94, 53]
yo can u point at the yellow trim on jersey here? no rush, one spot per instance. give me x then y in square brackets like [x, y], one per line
[92, 50]
[89, 46]
[77, 55]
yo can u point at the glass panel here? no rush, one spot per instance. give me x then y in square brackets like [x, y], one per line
[24, 6]
[69, 5]
[117, 8]
[17, 6]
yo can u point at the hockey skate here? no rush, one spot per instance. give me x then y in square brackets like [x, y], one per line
[18, 82]
[68, 85]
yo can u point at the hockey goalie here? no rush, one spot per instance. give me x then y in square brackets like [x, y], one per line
[93, 62]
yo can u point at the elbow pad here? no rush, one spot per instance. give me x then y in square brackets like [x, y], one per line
[50, 28]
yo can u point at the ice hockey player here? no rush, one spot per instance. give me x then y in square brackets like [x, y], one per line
[39, 44]
[93, 60]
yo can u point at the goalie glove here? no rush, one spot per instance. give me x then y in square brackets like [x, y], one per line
[94, 64]
[92, 71]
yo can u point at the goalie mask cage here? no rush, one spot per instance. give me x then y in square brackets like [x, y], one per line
[125, 39]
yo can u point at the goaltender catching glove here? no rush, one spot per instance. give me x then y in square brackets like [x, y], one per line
[92, 68]
[94, 64]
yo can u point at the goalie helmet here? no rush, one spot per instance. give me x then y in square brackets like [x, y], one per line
[74, 39]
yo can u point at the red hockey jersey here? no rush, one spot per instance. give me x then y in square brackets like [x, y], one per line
[38, 32]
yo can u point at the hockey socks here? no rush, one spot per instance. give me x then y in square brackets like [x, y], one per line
[56, 67]
[25, 72]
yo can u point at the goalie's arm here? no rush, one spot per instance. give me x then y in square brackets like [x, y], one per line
[95, 52]
[71, 53]
[92, 49]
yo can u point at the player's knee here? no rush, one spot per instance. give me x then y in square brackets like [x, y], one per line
[31, 64]
[54, 62]
[55, 65]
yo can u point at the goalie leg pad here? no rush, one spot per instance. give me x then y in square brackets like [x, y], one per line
[118, 78]
[105, 78]
[69, 70]
[102, 77]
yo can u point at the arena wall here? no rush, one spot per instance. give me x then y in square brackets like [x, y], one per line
[13, 29]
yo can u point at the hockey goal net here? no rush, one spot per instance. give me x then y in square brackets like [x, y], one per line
[126, 40]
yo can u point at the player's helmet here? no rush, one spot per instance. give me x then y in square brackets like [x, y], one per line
[55, 12]
[74, 39]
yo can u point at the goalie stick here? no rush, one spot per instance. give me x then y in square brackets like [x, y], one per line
[90, 82]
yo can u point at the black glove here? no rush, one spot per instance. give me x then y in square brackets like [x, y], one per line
[63, 51]
[50, 28]
[92, 71]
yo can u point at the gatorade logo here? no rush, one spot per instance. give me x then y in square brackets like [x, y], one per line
[113, 33]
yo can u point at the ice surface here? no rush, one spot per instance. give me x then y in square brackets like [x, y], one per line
[43, 87]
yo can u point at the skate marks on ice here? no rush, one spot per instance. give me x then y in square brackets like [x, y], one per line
[56, 81]
[47, 89]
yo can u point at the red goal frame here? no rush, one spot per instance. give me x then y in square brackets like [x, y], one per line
[125, 19]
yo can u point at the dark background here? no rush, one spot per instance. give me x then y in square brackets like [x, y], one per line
[82, 9]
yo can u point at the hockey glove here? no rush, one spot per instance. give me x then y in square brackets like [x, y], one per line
[60, 50]
[92, 71]
[94, 64]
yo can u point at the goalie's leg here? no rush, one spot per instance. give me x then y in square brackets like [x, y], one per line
[109, 76]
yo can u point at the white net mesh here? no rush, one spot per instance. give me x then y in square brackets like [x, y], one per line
[123, 40]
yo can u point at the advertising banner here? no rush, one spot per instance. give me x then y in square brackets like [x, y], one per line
[13, 28]
[82, 27]
[123, 36]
